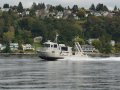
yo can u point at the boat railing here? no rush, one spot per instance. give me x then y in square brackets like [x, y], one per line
[79, 49]
[45, 49]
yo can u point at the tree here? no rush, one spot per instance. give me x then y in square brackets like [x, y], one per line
[40, 6]
[97, 44]
[81, 13]
[101, 7]
[34, 6]
[7, 49]
[117, 47]
[59, 8]
[8, 36]
[105, 8]
[75, 8]
[6, 6]
[20, 8]
[51, 9]
[106, 46]
[92, 7]
[80, 40]
[68, 8]
[115, 8]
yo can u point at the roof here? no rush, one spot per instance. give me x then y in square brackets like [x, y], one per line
[49, 42]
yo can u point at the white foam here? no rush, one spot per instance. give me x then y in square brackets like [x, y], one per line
[77, 58]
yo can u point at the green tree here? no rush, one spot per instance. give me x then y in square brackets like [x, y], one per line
[97, 44]
[59, 8]
[117, 48]
[8, 36]
[81, 13]
[6, 6]
[75, 8]
[7, 49]
[20, 8]
[105, 8]
[92, 7]
[51, 9]
[115, 8]
[34, 6]
[106, 46]
[80, 40]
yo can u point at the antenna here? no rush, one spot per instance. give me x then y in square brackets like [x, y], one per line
[56, 38]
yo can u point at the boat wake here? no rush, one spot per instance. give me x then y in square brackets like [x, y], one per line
[77, 58]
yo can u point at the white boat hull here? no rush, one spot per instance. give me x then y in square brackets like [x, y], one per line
[50, 56]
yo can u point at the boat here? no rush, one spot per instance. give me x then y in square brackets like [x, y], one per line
[54, 51]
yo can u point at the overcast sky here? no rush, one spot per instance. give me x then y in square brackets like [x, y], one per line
[81, 3]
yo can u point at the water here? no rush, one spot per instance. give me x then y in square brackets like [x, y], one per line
[72, 74]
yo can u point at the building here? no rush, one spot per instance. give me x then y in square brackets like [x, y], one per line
[2, 47]
[91, 40]
[40, 13]
[59, 15]
[14, 46]
[88, 48]
[27, 47]
[37, 39]
[5, 9]
[66, 14]
[112, 42]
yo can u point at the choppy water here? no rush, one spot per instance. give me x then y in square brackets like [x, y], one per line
[73, 74]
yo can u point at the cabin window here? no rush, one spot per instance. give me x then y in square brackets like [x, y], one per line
[55, 45]
[51, 45]
[46, 45]
[64, 48]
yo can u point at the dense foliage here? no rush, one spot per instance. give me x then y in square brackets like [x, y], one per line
[15, 28]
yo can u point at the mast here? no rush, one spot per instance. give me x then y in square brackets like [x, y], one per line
[56, 38]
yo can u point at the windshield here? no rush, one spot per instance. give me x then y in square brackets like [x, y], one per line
[46, 45]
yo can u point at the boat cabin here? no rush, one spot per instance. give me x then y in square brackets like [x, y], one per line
[50, 44]
[61, 48]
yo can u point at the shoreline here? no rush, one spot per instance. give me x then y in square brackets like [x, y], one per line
[36, 55]
[18, 55]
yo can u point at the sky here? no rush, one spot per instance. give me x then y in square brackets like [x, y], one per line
[81, 3]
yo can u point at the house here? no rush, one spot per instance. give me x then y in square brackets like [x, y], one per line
[95, 13]
[48, 6]
[91, 40]
[5, 9]
[110, 15]
[75, 17]
[66, 13]
[27, 12]
[40, 13]
[105, 13]
[27, 47]
[112, 42]
[37, 39]
[59, 15]
[88, 48]
[51, 14]
[2, 47]
[14, 46]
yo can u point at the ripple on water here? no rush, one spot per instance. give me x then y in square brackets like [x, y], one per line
[34, 74]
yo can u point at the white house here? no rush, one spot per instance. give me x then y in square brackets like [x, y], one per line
[88, 48]
[14, 46]
[2, 47]
[5, 9]
[27, 47]
[59, 15]
[66, 13]
[112, 42]
[91, 40]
